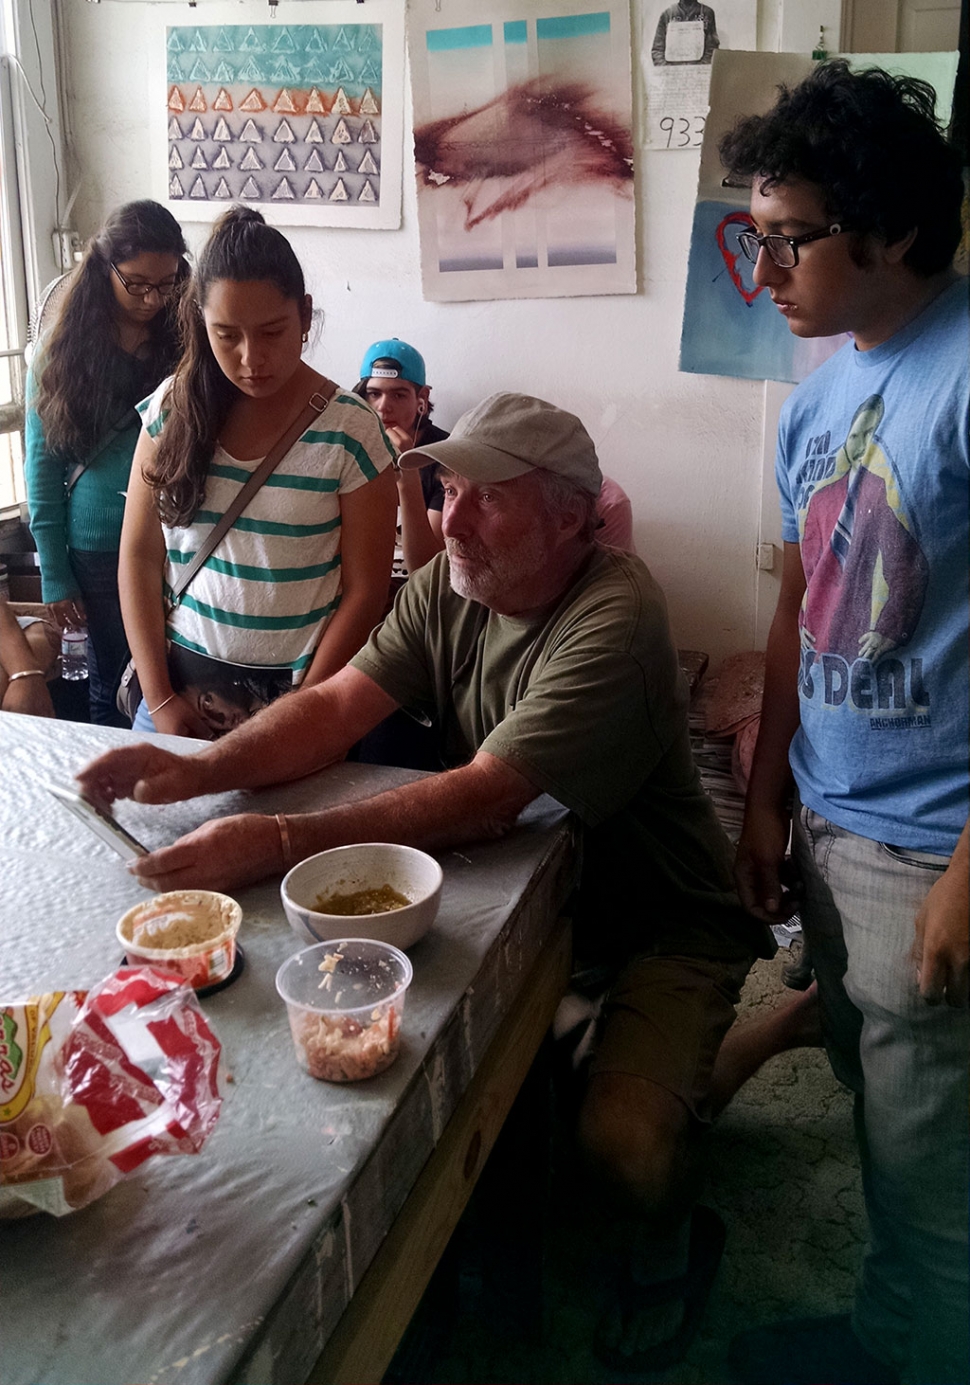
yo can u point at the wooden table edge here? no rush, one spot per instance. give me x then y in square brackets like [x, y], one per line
[364, 1341]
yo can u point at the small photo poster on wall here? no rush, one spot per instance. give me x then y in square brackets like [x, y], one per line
[679, 43]
[523, 146]
[302, 119]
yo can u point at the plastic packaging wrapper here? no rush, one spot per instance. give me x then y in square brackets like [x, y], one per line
[92, 1084]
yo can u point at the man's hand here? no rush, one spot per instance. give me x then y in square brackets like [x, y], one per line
[145, 773]
[402, 438]
[220, 855]
[941, 947]
[761, 868]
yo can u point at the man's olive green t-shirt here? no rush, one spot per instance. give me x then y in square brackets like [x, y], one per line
[585, 698]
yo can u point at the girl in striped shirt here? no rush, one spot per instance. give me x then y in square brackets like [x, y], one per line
[298, 582]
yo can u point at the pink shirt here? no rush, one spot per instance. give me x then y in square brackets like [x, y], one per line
[614, 509]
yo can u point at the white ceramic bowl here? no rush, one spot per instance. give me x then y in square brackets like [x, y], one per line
[368, 865]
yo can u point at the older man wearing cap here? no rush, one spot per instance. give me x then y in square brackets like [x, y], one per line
[394, 383]
[393, 380]
[547, 665]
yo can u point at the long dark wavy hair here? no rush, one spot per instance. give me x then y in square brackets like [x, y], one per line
[86, 381]
[241, 248]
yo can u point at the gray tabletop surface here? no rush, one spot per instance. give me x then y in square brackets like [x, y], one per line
[235, 1264]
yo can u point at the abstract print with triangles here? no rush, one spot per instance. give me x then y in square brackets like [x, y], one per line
[285, 114]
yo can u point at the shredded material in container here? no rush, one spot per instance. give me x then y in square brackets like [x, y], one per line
[338, 1049]
[379, 899]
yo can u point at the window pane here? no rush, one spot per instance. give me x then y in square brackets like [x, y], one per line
[11, 376]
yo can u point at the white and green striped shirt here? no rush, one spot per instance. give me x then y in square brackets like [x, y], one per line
[265, 595]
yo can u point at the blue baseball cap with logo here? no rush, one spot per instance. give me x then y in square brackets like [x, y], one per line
[409, 363]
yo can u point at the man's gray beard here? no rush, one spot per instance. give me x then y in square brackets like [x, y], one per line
[475, 587]
[500, 573]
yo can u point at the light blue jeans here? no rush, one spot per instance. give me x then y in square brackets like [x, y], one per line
[142, 721]
[907, 1063]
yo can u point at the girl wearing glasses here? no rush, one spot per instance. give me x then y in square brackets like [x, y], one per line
[295, 586]
[112, 341]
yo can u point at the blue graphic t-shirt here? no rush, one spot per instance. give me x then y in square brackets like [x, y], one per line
[874, 475]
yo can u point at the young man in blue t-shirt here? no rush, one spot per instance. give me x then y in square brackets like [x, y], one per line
[855, 199]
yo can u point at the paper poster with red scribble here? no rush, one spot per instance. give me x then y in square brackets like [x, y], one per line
[523, 145]
[731, 326]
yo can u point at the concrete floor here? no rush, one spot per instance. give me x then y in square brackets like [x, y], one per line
[783, 1176]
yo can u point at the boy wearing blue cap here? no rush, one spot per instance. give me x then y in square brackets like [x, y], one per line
[393, 380]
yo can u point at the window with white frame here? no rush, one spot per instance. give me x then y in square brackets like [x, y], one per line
[31, 193]
[12, 286]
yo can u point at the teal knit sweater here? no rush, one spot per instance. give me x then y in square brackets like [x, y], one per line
[90, 518]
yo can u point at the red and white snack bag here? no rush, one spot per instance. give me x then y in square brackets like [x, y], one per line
[92, 1084]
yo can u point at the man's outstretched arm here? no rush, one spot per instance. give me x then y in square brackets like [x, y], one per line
[477, 802]
[297, 734]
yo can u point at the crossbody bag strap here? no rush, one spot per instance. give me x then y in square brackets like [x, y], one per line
[319, 401]
[102, 445]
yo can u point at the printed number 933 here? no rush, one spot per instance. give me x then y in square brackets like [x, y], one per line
[683, 131]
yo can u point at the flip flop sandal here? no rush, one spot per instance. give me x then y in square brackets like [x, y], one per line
[707, 1237]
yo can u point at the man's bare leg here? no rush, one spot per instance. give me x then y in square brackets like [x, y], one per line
[748, 1045]
[645, 1148]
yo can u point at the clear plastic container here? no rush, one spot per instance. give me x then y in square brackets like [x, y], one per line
[345, 999]
[74, 655]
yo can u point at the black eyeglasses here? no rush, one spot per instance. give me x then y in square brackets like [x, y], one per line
[143, 290]
[782, 249]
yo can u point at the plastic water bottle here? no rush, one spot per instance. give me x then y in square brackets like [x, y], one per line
[74, 655]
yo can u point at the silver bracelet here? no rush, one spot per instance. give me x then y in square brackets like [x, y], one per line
[26, 673]
[170, 698]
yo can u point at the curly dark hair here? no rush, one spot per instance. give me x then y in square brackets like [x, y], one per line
[871, 142]
[240, 248]
[85, 380]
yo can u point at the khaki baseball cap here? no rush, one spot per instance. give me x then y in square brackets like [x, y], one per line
[509, 434]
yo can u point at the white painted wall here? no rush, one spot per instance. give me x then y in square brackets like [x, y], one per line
[689, 449]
